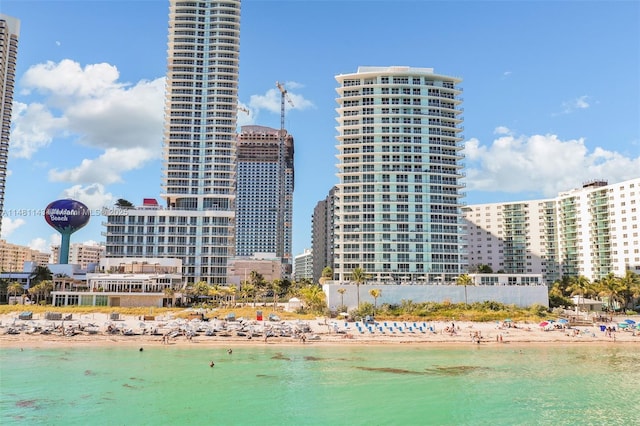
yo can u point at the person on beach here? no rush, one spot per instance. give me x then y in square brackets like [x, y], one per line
[211, 364]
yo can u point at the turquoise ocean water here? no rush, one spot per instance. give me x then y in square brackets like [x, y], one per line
[322, 385]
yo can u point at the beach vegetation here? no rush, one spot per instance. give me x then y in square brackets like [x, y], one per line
[342, 291]
[375, 293]
[358, 276]
[313, 298]
[327, 275]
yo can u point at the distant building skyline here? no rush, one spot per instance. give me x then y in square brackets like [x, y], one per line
[80, 254]
[13, 257]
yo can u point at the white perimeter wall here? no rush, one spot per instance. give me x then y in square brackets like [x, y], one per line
[518, 295]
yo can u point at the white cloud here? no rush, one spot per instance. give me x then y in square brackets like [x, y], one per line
[542, 164]
[501, 130]
[10, 225]
[271, 100]
[107, 168]
[92, 106]
[93, 196]
[575, 104]
[506, 73]
[39, 244]
[66, 80]
[34, 127]
[43, 245]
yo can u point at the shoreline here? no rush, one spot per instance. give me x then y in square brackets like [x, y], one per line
[183, 334]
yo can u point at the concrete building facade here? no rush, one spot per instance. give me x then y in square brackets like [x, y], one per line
[9, 34]
[199, 176]
[322, 235]
[590, 231]
[303, 266]
[14, 256]
[80, 254]
[260, 197]
[397, 208]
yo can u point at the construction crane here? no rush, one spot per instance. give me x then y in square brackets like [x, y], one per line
[280, 251]
[284, 97]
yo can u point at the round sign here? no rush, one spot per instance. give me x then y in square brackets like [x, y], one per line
[67, 216]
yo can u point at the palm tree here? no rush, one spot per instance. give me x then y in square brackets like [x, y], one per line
[257, 280]
[375, 293]
[630, 284]
[40, 273]
[314, 297]
[358, 276]
[124, 204]
[277, 286]
[610, 287]
[342, 291]
[198, 290]
[464, 280]
[327, 275]
[232, 291]
[15, 288]
[47, 288]
[580, 286]
[169, 294]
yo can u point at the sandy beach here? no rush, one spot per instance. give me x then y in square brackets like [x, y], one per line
[99, 329]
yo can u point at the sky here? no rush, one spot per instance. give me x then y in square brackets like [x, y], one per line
[551, 95]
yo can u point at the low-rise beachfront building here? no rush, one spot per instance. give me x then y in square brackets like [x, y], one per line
[153, 282]
[507, 279]
[522, 290]
[266, 264]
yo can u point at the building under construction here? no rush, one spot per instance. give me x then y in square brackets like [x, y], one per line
[264, 197]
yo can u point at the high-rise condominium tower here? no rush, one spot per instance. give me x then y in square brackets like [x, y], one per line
[590, 231]
[259, 193]
[9, 32]
[397, 207]
[197, 225]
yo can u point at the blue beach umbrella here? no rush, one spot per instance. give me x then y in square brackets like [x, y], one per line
[563, 321]
[630, 321]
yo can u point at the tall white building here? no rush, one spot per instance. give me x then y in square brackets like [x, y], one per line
[303, 266]
[259, 197]
[9, 33]
[397, 207]
[198, 223]
[590, 231]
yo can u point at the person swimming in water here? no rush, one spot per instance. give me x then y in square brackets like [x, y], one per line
[230, 351]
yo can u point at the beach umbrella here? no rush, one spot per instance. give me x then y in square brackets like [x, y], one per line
[630, 321]
[508, 320]
[544, 323]
[623, 325]
[563, 321]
